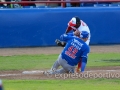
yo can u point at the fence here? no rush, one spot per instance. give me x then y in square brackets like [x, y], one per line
[63, 2]
[40, 27]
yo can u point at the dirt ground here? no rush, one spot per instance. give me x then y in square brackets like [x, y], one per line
[96, 72]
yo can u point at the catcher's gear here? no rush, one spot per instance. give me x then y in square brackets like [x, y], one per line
[60, 43]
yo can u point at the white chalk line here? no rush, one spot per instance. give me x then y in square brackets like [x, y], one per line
[9, 74]
[41, 72]
[32, 72]
[23, 73]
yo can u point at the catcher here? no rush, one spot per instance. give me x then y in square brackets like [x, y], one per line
[75, 24]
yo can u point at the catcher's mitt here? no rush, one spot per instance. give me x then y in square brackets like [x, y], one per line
[60, 43]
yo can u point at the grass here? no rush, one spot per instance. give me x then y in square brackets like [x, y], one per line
[94, 84]
[104, 59]
[28, 62]
[22, 62]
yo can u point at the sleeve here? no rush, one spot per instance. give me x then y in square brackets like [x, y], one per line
[66, 37]
[70, 34]
[86, 51]
[83, 64]
[68, 29]
[84, 59]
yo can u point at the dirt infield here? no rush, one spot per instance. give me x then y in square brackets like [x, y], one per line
[106, 72]
[53, 50]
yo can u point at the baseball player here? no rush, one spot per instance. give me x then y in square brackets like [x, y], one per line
[74, 49]
[75, 24]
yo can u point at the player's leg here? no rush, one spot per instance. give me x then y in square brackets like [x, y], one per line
[55, 70]
[60, 71]
[56, 64]
[54, 67]
[67, 68]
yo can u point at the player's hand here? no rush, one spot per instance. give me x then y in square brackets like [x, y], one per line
[77, 33]
[77, 70]
[60, 43]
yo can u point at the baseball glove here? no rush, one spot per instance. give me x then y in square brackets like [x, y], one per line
[60, 43]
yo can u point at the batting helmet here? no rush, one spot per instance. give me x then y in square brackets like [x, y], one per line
[84, 34]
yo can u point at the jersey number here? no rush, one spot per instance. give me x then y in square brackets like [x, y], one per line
[71, 52]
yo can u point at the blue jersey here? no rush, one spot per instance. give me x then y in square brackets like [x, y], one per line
[74, 49]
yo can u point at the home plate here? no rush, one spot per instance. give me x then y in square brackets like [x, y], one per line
[33, 72]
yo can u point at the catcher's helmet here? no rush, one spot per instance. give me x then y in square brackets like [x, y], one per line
[74, 21]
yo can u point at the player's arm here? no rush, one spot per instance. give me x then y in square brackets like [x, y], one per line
[66, 37]
[83, 64]
[84, 58]
[61, 43]
[68, 29]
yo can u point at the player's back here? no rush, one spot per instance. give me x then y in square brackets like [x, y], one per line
[74, 50]
[84, 27]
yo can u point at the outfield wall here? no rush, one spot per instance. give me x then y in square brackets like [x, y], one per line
[41, 26]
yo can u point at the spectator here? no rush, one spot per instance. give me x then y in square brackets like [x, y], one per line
[48, 4]
[41, 4]
[68, 4]
[3, 5]
[72, 4]
[88, 4]
[54, 4]
[10, 5]
[27, 4]
[115, 2]
[104, 2]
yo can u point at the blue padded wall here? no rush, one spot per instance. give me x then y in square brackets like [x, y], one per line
[40, 27]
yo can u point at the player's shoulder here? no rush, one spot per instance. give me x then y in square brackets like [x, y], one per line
[85, 46]
[84, 29]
